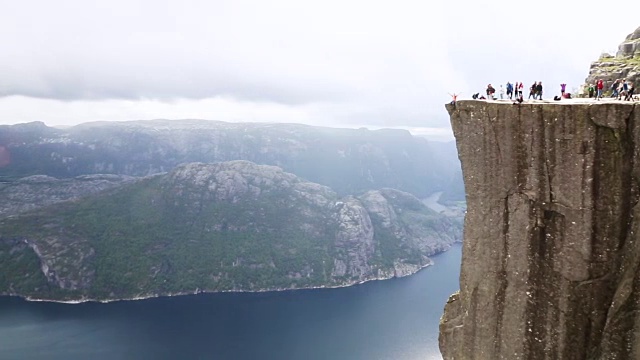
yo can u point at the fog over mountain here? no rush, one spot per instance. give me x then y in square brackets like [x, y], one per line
[349, 161]
[335, 63]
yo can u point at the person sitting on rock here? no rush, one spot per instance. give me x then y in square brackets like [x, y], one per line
[518, 101]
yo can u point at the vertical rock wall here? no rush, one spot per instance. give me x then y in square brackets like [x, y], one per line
[550, 266]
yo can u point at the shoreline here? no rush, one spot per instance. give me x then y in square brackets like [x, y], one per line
[197, 291]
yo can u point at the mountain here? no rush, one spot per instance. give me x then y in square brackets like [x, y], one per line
[625, 64]
[453, 188]
[350, 161]
[229, 226]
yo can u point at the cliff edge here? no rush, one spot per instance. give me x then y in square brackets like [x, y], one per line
[551, 255]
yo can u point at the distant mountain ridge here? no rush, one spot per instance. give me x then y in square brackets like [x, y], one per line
[229, 226]
[350, 161]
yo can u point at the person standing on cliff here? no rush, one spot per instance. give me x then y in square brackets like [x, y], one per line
[532, 91]
[501, 92]
[520, 89]
[563, 87]
[630, 91]
[624, 89]
[454, 98]
[614, 88]
[509, 90]
[539, 90]
[490, 91]
[599, 87]
[591, 89]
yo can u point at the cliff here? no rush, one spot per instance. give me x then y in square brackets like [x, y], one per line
[551, 253]
[231, 226]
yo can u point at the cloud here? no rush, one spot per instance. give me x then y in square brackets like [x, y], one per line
[375, 63]
[279, 52]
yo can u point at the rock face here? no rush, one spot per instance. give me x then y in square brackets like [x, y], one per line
[625, 64]
[551, 256]
[631, 45]
[37, 191]
[231, 226]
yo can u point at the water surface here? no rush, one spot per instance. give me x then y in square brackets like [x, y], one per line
[391, 319]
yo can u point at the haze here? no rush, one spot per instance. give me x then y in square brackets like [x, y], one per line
[335, 63]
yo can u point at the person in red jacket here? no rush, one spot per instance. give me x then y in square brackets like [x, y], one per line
[599, 87]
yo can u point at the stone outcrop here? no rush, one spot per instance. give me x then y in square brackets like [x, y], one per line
[631, 45]
[551, 253]
[624, 65]
[37, 191]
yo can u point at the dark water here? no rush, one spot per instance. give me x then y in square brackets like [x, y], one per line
[393, 319]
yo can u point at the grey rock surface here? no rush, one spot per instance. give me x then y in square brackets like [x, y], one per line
[37, 191]
[551, 254]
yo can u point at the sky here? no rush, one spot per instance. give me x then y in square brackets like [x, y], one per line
[348, 63]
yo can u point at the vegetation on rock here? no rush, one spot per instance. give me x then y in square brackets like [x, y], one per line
[233, 226]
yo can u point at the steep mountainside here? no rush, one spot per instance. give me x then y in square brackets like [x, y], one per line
[349, 161]
[551, 256]
[229, 226]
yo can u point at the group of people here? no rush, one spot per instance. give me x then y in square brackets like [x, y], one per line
[621, 89]
[514, 91]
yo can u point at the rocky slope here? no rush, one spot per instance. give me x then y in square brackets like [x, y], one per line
[624, 64]
[38, 191]
[232, 226]
[551, 256]
[349, 161]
